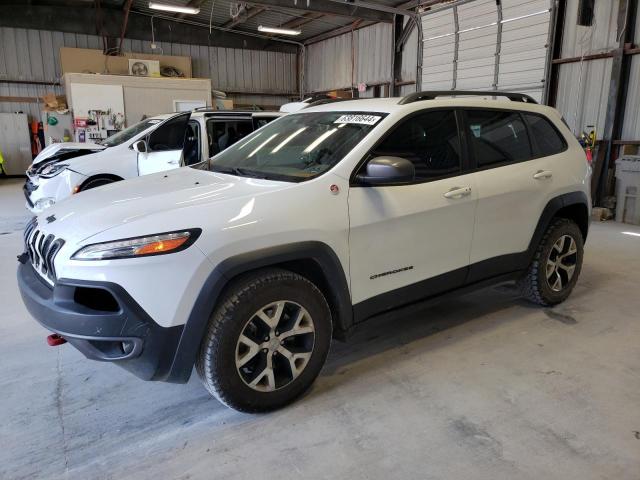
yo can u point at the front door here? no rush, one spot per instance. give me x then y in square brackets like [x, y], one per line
[164, 146]
[408, 242]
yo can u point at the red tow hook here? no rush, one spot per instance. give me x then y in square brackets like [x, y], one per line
[54, 340]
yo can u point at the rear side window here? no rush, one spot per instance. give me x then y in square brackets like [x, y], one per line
[259, 122]
[547, 138]
[224, 133]
[429, 140]
[497, 137]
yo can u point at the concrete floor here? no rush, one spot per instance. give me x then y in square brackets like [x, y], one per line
[483, 387]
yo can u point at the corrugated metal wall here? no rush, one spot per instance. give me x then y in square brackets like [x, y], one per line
[461, 45]
[35, 55]
[333, 64]
[583, 87]
[409, 61]
[631, 125]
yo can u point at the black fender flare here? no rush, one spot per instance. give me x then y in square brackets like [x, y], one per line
[552, 208]
[195, 326]
[109, 176]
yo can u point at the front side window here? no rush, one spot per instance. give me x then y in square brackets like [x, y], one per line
[170, 135]
[297, 147]
[429, 140]
[129, 133]
[192, 143]
[497, 136]
[546, 136]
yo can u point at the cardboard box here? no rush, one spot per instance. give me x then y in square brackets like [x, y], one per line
[600, 214]
[54, 103]
[223, 104]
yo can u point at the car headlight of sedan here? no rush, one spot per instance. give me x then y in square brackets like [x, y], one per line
[53, 170]
[159, 244]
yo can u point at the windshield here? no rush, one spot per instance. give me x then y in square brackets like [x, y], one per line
[296, 147]
[129, 133]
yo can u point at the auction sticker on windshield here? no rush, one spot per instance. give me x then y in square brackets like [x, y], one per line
[358, 118]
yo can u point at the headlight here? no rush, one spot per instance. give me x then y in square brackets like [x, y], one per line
[44, 203]
[53, 170]
[159, 244]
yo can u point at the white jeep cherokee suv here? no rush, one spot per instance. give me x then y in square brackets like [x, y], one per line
[247, 267]
[160, 143]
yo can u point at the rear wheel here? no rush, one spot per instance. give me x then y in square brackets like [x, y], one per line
[266, 342]
[556, 265]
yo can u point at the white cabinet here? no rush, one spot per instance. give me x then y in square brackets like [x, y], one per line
[15, 142]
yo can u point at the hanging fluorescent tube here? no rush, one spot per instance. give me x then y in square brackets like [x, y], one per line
[173, 8]
[278, 30]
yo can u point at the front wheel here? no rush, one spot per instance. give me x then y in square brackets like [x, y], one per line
[96, 182]
[266, 342]
[556, 265]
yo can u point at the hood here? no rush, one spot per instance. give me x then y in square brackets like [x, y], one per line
[63, 151]
[188, 193]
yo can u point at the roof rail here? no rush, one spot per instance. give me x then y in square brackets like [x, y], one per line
[324, 101]
[433, 94]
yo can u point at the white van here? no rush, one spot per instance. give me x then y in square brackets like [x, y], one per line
[159, 143]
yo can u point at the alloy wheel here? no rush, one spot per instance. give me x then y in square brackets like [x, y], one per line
[561, 263]
[275, 346]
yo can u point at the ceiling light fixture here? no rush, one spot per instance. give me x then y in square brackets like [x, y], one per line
[173, 8]
[280, 31]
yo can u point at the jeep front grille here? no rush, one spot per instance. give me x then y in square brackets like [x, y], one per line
[42, 249]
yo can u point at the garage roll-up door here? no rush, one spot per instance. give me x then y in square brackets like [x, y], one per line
[488, 45]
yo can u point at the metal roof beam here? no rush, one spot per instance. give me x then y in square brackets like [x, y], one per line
[191, 3]
[250, 13]
[81, 20]
[338, 31]
[340, 9]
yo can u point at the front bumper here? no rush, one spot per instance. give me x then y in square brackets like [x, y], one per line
[117, 330]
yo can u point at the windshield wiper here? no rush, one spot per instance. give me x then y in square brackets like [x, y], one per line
[239, 171]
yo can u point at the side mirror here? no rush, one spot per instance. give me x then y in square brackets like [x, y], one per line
[387, 171]
[140, 146]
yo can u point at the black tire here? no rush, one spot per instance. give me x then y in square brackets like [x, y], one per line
[535, 285]
[217, 358]
[96, 182]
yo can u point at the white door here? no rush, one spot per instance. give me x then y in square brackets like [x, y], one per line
[410, 241]
[164, 146]
[514, 179]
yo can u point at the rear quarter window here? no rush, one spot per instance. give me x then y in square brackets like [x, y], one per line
[497, 137]
[546, 137]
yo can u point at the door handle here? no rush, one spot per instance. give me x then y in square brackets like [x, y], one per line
[541, 174]
[457, 192]
[173, 162]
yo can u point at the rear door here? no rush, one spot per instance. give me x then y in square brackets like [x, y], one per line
[164, 146]
[514, 179]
